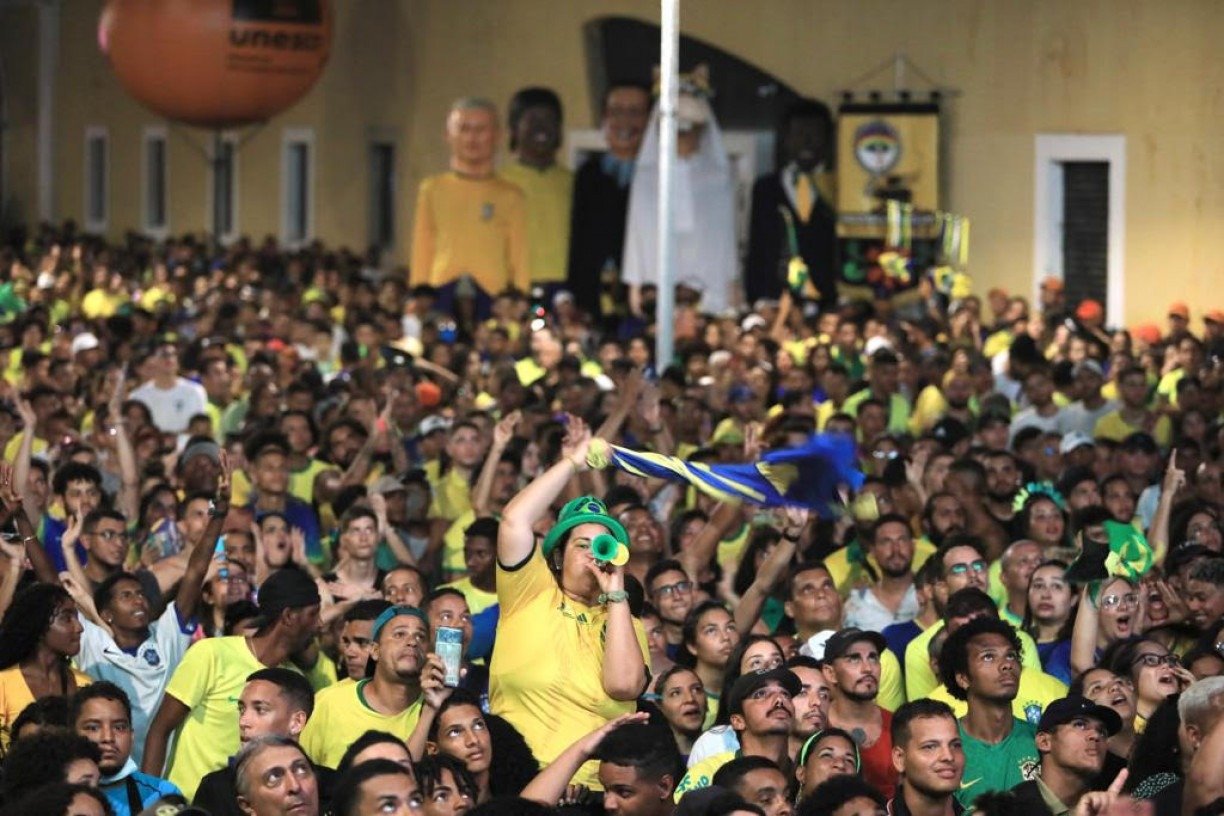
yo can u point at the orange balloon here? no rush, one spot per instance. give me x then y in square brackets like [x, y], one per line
[217, 63]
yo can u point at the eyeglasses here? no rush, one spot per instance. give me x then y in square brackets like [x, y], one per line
[1151, 660]
[961, 569]
[1129, 599]
[892, 454]
[667, 591]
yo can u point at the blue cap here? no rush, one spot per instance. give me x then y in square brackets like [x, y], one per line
[395, 612]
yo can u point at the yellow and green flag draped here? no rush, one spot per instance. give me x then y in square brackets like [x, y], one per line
[808, 475]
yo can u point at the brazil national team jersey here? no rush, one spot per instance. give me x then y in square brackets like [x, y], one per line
[1001, 766]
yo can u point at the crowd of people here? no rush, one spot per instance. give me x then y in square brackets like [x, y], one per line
[290, 532]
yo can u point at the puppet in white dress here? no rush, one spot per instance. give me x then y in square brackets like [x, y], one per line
[704, 203]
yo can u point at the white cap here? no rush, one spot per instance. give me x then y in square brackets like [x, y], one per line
[434, 422]
[753, 321]
[874, 344]
[84, 341]
[815, 646]
[1073, 440]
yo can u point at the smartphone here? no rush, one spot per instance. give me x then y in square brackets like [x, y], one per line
[219, 554]
[449, 646]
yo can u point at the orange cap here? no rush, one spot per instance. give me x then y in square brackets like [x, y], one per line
[428, 394]
[1179, 309]
[1089, 310]
[1146, 333]
[1052, 283]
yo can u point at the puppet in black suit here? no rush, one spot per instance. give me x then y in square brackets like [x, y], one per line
[792, 209]
[601, 199]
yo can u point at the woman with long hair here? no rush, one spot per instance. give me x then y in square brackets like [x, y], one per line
[709, 637]
[494, 753]
[39, 635]
[1102, 618]
[753, 653]
[1049, 617]
[1155, 672]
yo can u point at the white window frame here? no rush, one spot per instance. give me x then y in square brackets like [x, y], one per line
[230, 138]
[291, 137]
[95, 225]
[155, 133]
[1052, 151]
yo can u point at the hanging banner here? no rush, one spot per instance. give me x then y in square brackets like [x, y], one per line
[887, 152]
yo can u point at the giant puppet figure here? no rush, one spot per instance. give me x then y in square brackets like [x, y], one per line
[792, 209]
[704, 205]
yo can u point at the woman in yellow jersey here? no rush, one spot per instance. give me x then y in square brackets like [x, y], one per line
[569, 655]
[41, 634]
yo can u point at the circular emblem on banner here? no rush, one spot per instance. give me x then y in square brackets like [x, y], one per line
[877, 147]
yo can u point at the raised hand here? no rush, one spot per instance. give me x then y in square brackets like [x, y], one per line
[648, 406]
[577, 440]
[433, 686]
[9, 494]
[13, 549]
[378, 504]
[28, 417]
[795, 520]
[590, 743]
[297, 546]
[503, 431]
[1174, 477]
[224, 482]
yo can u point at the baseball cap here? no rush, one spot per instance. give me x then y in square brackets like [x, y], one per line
[949, 431]
[1147, 333]
[85, 341]
[429, 395]
[199, 446]
[386, 484]
[746, 684]
[840, 643]
[1139, 442]
[582, 510]
[391, 612]
[433, 423]
[727, 432]
[1089, 310]
[1074, 440]
[753, 321]
[1179, 309]
[1072, 707]
[1215, 316]
[287, 588]
[1090, 366]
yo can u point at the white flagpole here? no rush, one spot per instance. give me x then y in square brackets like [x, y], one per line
[669, 69]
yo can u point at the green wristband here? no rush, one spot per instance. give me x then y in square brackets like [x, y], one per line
[616, 596]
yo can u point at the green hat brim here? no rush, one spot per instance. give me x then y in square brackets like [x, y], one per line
[562, 527]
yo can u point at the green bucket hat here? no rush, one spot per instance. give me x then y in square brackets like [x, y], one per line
[582, 510]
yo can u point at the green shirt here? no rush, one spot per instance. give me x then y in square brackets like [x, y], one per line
[1001, 766]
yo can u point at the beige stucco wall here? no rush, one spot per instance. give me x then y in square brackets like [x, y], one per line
[1152, 71]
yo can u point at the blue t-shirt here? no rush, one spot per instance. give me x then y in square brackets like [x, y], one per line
[899, 635]
[1056, 659]
[300, 514]
[141, 787]
[52, 536]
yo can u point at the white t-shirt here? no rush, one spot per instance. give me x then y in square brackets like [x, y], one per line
[143, 675]
[864, 610]
[172, 408]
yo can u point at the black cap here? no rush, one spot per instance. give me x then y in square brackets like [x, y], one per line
[1140, 442]
[1069, 708]
[841, 642]
[288, 588]
[750, 682]
[949, 431]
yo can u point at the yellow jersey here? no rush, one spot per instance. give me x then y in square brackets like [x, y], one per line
[1037, 690]
[549, 195]
[209, 680]
[15, 695]
[920, 681]
[546, 675]
[341, 715]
